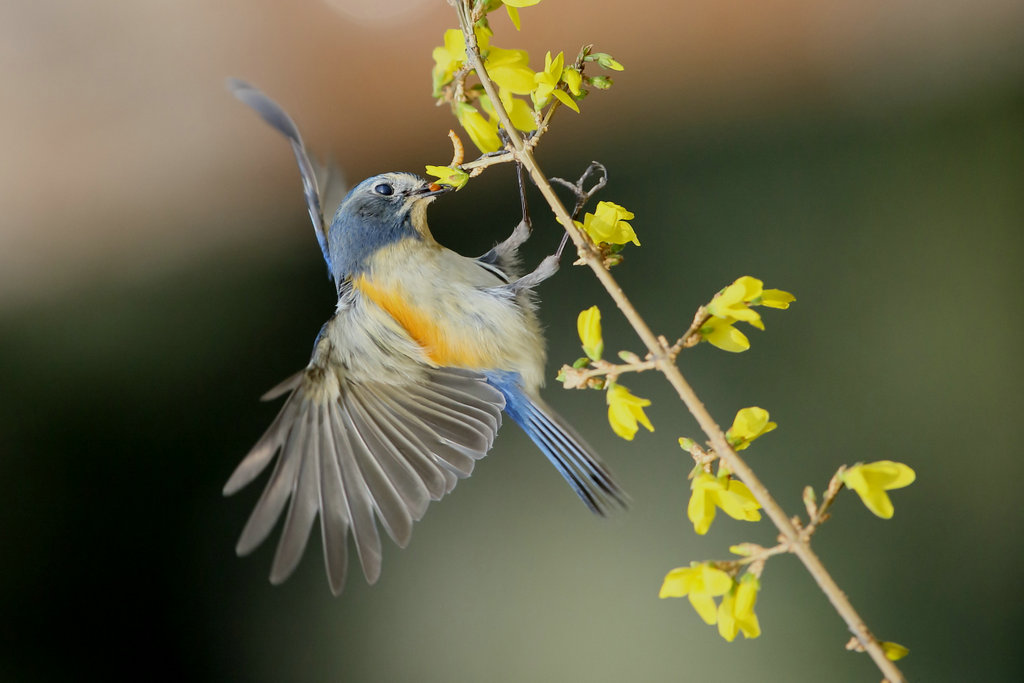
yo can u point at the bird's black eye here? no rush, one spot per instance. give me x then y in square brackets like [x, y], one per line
[384, 189]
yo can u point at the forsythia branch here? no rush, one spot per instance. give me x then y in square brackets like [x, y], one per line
[662, 358]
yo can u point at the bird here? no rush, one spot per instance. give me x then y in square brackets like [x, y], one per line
[408, 379]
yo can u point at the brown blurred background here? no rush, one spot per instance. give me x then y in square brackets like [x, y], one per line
[158, 272]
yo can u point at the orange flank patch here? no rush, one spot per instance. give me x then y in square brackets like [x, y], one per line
[437, 343]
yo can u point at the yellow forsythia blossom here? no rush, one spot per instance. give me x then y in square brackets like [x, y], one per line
[626, 410]
[574, 79]
[749, 424]
[871, 481]
[708, 493]
[446, 175]
[736, 612]
[732, 302]
[701, 583]
[608, 224]
[451, 56]
[546, 84]
[732, 305]
[588, 324]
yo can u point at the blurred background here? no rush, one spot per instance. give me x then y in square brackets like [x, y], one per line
[158, 273]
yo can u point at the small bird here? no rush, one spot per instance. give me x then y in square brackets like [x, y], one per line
[407, 381]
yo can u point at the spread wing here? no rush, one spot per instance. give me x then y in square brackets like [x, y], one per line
[271, 112]
[359, 452]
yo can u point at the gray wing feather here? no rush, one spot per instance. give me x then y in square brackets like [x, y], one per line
[367, 452]
[391, 509]
[334, 519]
[400, 473]
[456, 460]
[360, 507]
[305, 502]
[271, 112]
[264, 450]
[279, 487]
[411, 449]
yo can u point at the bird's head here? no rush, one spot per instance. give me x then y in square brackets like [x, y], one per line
[377, 212]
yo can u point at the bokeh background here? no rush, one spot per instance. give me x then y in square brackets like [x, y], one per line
[158, 273]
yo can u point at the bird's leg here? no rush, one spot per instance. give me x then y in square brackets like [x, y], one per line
[549, 266]
[505, 252]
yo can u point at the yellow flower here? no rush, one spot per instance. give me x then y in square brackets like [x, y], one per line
[871, 481]
[451, 56]
[894, 651]
[512, 6]
[732, 305]
[721, 333]
[510, 69]
[749, 424]
[446, 175]
[574, 79]
[701, 583]
[731, 302]
[736, 612]
[519, 111]
[588, 324]
[626, 410]
[710, 492]
[608, 224]
[547, 84]
[482, 132]
[448, 59]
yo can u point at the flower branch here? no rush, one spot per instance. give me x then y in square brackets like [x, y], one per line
[662, 359]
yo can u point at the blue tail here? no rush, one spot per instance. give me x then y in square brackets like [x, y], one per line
[567, 451]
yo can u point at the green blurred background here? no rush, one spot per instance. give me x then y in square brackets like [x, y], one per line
[158, 274]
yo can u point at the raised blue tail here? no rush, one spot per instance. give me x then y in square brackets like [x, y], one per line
[567, 451]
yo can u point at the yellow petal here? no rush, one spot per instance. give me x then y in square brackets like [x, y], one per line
[749, 625]
[705, 606]
[482, 132]
[746, 595]
[727, 626]
[713, 580]
[510, 69]
[722, 334]
[701, 508]
[573, 79]
[737, 502]
[513, 14]
[676, 583]
[588, 324]
[776, 298]
[565, 99]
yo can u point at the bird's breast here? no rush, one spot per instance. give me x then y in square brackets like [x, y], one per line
[451, 308]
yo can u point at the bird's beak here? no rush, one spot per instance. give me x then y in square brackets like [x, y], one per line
[431, 190]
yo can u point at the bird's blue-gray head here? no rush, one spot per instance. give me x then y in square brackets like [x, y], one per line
[378, 211]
